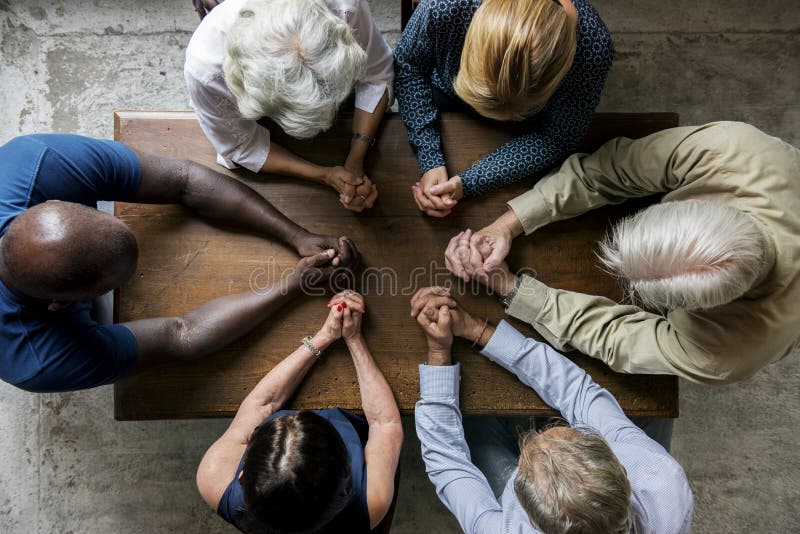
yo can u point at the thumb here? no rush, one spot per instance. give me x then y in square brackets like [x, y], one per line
[323, 257]
[448, 187]
[444, 318]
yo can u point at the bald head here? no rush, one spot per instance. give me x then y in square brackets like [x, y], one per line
[65, 251]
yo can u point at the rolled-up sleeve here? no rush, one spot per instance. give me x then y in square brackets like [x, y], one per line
[239, 142]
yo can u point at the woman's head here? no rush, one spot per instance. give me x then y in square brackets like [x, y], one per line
[515, 54]
[296, 474]
[293, 61]
[570, 481]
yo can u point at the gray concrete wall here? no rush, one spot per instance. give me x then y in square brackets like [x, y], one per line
[66, 466]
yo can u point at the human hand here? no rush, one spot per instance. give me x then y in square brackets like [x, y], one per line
[346, 183]
[353, 307]
[428, 202]
[439, 336]
[313, 270]
[332, 328]
[497, 238]
[462, 259]
[466, 261]
[428, 300]
[364, 196]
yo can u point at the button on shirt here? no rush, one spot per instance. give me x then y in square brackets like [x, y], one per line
[661, 500]
[243, 142]
[66, 350]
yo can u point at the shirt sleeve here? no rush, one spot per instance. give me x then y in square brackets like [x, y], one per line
[562, 123]
[238, 141]
[96, 356]
[80, 169]
[622, 168]
[460, 485]
[414, 65]
[378, 75]
[627, 338]
[562, 384]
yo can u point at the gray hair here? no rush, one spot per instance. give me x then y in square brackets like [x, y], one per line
[570, 482]
[688, 254]
[293, 61]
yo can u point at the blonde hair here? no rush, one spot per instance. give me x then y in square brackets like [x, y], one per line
[687, 254]
[293, 61]
[570, 482]
[515, 54]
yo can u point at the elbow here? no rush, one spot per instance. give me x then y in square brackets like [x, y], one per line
[178, 337]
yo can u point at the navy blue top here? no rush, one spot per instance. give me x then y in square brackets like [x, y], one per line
[354, 519]
[428, 55]
[66, 350]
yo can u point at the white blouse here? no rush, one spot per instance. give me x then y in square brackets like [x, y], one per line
[244, 142]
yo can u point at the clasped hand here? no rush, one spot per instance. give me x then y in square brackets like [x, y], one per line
[441, 318]
[356, 190]
[344, 319]
[481, 256]
[436, 194]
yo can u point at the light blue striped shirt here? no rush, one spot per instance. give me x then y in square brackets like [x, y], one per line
[661, 500]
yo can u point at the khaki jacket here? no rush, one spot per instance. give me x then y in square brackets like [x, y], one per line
[725, 162]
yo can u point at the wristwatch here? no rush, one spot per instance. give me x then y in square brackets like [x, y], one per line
[510, 297]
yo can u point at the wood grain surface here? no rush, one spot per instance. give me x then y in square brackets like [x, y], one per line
[185, 261]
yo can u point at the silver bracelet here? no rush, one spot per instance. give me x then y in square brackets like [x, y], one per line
[310, 346]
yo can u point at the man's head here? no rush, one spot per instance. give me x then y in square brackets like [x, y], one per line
[65, 252]
[687, 255]
[515, 54]
[296, 474]
[293, 61]
[570, 482]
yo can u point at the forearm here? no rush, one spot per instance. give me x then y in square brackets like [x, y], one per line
[377, 400]
[522, 157]
[218, 322]
[627, 338]
[460, 485]
[216, 196]
[284, 162]
[365, 123]
[556, 379]
[282, 381]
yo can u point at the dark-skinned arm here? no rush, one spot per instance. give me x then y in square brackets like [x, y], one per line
[219, 322]
[219, 197]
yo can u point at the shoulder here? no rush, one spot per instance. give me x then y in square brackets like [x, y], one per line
[594, 39]
[660, 490]
[443, 12]
[218, 470]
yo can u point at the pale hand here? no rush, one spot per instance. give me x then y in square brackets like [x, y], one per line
[428, 202]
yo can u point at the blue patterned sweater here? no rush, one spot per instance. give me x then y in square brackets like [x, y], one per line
[429, 54]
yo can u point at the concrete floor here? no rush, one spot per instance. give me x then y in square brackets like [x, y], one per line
[68, 467]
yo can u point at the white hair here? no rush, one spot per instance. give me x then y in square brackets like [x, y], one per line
[293, 61]
[686, 254]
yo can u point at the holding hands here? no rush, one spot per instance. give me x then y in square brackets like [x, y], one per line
[436, 194]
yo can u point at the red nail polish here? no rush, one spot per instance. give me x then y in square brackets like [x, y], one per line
[344, 304]
[339, 307]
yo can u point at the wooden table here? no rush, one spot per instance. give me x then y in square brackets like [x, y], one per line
[185, 261]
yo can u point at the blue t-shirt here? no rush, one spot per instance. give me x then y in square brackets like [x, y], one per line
[47, 351]
[354, 519]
